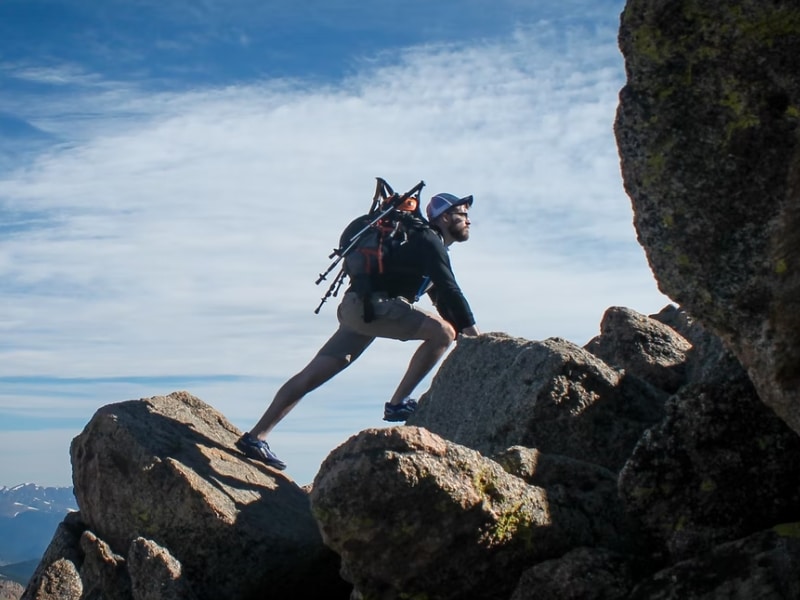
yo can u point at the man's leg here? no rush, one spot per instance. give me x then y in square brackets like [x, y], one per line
[437, 334]
[314, 374]
[343, 347]
[341, 350]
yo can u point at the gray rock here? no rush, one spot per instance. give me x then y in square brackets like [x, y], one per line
[708, 361]
[57, 577]
[719, 467]
[584, 486]
[762, 566]
[581, 574]
[104, 573]
[496, 391]
[155, 574]
[10, 590]
[165, 469]
[413, 515]
[643, 347]
[707, 129]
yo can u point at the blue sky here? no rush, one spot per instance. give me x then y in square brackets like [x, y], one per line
[173, 176]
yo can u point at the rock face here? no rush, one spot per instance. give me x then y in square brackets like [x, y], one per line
[399, 504]
[549, 395]
[707, 129]
[575, 478]
[657, 462]
[169, 508]
[10, 590]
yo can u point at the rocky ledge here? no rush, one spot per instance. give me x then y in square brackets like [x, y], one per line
[642, 465]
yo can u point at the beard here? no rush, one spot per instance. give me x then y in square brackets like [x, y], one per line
[458, 233]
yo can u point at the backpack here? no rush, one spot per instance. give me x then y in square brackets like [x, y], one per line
[368, 242]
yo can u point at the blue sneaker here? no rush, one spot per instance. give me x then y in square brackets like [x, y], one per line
[400, 411]
[259, 450]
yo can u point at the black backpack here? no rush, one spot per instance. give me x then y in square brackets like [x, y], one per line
[367, 243]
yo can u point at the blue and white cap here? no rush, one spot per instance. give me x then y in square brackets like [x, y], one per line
[441, 203]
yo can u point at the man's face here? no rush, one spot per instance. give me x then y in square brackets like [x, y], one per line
[458, 223]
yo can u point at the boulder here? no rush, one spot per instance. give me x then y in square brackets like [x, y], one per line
[413, 515]
[10, 590]
[643, 347]
[57, 577]
[707, 130]
[161, 486]
[763, 566]
[708, 361]
[719, 467]
[496, 391]
[581, 574]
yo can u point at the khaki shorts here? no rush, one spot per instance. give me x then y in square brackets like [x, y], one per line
[395, 318]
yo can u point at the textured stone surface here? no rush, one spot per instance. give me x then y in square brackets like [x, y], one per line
[762, 566]
[582, 574]
[10, 590]
[413, 515]
[643, 347]
[57, 577]
[166, 469]
[155, 574]
[707, 129]
[720, 466]
[498, 391]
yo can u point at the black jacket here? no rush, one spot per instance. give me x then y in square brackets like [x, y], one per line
[423, 256]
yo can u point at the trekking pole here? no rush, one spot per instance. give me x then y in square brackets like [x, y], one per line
[393, 201]
[333, 290]
[353, 241]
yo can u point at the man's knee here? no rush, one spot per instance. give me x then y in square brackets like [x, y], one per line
[441, 332]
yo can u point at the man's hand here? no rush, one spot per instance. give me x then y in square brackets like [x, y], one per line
[470, 331]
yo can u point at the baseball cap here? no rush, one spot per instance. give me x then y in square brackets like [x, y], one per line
[441, 203]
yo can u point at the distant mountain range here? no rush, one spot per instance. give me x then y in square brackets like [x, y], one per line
[29, 497]
[29, 515]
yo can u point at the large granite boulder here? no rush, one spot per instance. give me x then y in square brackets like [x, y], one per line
[693, 488]
[413, 515]
[10, 590]
[762, 566]
[707, 129]
[643, 347]
[500, 391]
[164, 494]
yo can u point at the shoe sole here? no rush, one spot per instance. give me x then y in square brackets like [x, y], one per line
[396, 418]
[244, 450]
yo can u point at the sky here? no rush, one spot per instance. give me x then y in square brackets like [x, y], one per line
[174, 175]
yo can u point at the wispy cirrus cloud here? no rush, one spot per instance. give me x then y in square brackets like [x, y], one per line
[172, 239]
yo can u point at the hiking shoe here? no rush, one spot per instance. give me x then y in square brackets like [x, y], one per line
[400, 411]
[259, 450]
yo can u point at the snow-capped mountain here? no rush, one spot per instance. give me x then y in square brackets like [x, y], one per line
[29, 515]
[31, 497]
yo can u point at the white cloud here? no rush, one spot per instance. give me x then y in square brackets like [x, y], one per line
[182, 233]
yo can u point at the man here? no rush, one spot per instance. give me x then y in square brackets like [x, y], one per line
[423, 258]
